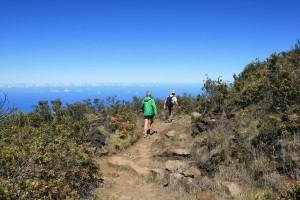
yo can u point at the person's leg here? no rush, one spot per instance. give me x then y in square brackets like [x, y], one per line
[169, 116]
[145, 127]
[151, 122]
[172, 113]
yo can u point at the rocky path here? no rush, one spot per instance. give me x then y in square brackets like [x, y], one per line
[132, 174]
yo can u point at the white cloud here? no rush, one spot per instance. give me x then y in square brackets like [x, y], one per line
[67, 90]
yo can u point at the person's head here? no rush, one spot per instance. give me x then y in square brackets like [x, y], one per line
[173, 92]
[148, 94]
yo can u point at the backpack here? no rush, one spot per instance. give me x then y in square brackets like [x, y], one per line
[169, 102]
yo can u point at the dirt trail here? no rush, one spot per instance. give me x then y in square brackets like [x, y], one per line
[127, 175]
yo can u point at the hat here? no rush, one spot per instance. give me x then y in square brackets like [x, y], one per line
[173, 91]
[148, 94]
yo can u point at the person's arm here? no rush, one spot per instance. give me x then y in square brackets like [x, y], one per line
[154, 107]
[165, 104]
[176, 102]
[142, 106]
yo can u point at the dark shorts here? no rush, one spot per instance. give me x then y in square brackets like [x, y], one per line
[148, 116]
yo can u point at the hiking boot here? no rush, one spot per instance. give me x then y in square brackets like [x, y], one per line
[151, 132]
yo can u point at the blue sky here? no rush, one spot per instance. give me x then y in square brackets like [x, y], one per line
[141, 41]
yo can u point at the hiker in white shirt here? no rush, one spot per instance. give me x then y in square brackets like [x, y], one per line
[170, 103]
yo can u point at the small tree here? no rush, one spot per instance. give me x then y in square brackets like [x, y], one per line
[215, 93]
[5, 108]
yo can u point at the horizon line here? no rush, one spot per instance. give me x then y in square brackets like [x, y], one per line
[142, 84]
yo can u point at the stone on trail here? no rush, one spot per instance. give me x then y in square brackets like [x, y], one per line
[119, 161]
[170, 134]
[204, 195]
[174, 165]
[232, 189]
[181, 152]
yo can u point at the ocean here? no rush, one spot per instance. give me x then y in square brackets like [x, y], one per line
[24, 97]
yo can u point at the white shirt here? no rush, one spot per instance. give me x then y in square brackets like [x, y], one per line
[174, 99]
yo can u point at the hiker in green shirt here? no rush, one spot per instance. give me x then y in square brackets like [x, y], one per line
[149, 110]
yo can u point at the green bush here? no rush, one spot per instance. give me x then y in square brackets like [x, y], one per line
[38, 163]
[44, 154]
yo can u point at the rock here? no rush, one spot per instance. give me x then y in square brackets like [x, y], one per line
[212, 124]
[156, 173]
[198, 128]
[273, 165]
[279, 182]
[165, 180]
[174, 166]
[232, 189]
[202, 141]
[170, 134]
[181, 152]
[224, 114]
[204, 182]
[119, 161]
[188, 184]
[165, 183]
[95, 137]
[103, 152]
[182, 137]
[296, 174]
[195, 116]
[212, 116]
[192, 172]
[175, 177]
[204, 195]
